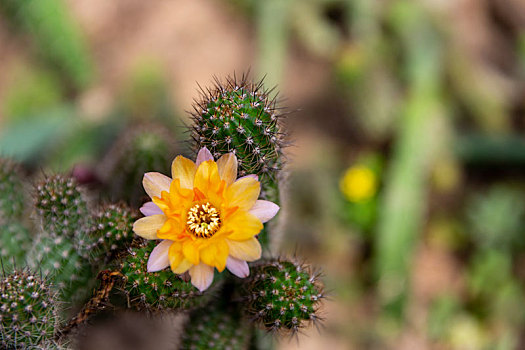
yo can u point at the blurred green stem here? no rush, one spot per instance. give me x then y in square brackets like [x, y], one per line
[272, 32]
[404, 199]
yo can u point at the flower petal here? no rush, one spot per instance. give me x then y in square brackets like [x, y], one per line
[203, 155]
[264, 210]
[178, 263]
[227, 165]
[201, 276]
[215, 254]
[159, 257]
[238, 267]
[243, 193]
[182, 267]
[148, 226]
[207, 177]
[155, 183]
[150, 208]
[242, 226]
[253, 176]
[184, 169]
[249, 250]
[191, 252]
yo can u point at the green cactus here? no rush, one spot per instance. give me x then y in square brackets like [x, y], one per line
[283, 295]
[12, 197]
[61, 206]
[28, 311]
[15, 242]
[155, 291]
[65, 219]
[216, 327]
[110, 232]
[239, 116]
[140, 150]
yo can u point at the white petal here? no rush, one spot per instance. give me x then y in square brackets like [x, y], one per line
[203, 155]
[201, 276]
[159, 258]
[250, 175]
[155, 183]
[264, 210]
[150, 208]
[238, 267]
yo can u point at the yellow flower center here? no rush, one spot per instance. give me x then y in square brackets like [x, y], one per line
[203, 220]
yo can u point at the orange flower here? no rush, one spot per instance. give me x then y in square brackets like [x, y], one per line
[205, 217]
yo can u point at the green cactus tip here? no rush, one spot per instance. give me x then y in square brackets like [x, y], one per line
[284, 295]
[239, 116]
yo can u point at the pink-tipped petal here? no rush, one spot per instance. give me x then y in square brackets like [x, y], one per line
[253, 176]
[238, 267]
[150, 208]
[154, 183]
[201, 276]
[264, 210]
[203, 155]
[159, 258]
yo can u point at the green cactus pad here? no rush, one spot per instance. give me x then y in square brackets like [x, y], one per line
[156, 290]
[28, 311]
[110, 233]
[239, 116]
[15, 242]
[216, 327]
[283, 295]
[11, 191]
[139, 150]
[61, 206]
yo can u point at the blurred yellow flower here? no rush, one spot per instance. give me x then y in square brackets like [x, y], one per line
[205, 216]
[358, 183]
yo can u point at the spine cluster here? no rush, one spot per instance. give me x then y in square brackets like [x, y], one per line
[28, 311]
[239, 116]
[284, 295]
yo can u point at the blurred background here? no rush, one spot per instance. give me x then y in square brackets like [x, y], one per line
[407, 121]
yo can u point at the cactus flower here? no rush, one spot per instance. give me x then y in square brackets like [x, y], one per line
[205, 217]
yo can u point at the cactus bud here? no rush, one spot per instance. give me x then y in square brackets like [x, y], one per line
[28, 311]
[283, 295]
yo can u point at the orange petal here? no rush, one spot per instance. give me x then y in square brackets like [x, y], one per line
[155, 183]
[248, 250]
[171, 229]
[207, 177]
[184, 169]
[242, 226]
[227, 166]
[178, 263]
[191, 251]
[215, 255]
[148, 226]
[243, 193]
